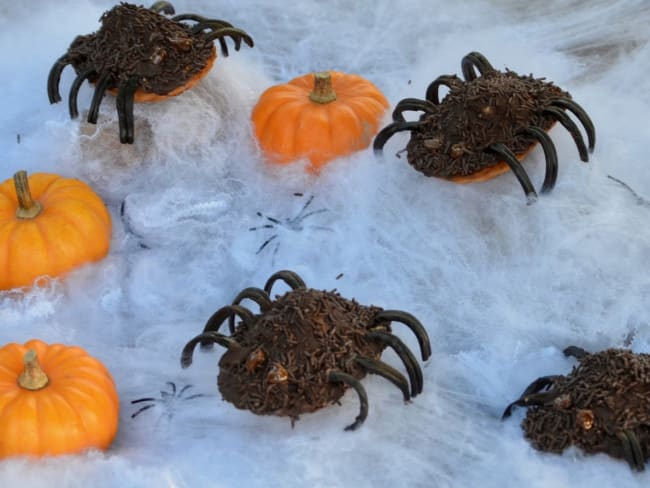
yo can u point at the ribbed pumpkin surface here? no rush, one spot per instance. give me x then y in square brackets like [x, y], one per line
[73, 228]
[290, 126]
[77, 410]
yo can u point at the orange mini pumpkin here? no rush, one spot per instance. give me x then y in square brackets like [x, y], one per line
[54, 399]
[48, 225]
[319, 116]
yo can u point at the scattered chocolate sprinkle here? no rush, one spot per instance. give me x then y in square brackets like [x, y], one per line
[302, 336]
[473, 115]
[136, 41]
[605, 394]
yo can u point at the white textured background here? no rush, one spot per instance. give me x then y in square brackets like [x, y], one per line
[501, 287]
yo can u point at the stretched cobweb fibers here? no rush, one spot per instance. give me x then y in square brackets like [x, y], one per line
[501, 287]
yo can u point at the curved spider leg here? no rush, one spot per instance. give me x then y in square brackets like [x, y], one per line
[98, 95]
[204, 23]
[146, 407]
[275, 253]
[266, 242]
[303, 214]
[196, 29]
[270, 219]
[54, 78]
[534, 400]
[194, 17]
[300, 217]
[561, 116]
[224, 47]
[74, 91]
[195, 395]
[508, 411]
[172, 387]
[639, 199]
[191, 397]
[387, 132]
[124, 104]
[213, 24]
[405, 354]
[550, 155]
[237, 35]
[637, 452]
[264, 226]
[472, 60]
[412, 323]
[165, 7]
[214, 322]
[511, 160]
[412, 104]
[340, 376]
[148, 399]
[541, 383]
[632, 451]
[207, 337]
[289, 277]
[582, 116]
[258, 295]
[576, 352]
[450, 81]
[627, 449]
[382, 369]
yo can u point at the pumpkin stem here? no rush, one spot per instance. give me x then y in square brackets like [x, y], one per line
[323, 91]
[28, 208]
[33, 377]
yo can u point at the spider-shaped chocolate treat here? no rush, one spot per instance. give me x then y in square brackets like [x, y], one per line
[486, 124]
[305, 349]
[140, 55]
[603, 405]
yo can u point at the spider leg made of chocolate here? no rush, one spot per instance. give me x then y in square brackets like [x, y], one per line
[322, 345]
[486, 124]
[172, 56]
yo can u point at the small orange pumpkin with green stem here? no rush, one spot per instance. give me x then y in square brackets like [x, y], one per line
[48, 226]
[318, 116]
[54, 399]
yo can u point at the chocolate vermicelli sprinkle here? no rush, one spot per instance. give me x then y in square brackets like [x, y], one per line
[306, 333]
[135, 41]
[490, 109]
[605, 394]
